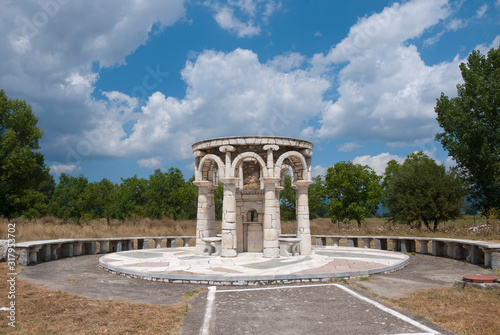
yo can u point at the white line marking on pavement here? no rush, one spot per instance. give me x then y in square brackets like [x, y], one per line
[273, 288]
[388, 310]
[205, 328]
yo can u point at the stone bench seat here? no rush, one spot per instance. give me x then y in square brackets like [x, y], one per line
[33, 252]
[171, 241]
[289, 246]
[472, 251]
[212, 246]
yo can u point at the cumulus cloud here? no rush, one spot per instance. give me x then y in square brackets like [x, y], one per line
[49, 49]
[62, 168]
[386, 91]
[377, 163]
[150, 163]
[349, 146]
[228, 94]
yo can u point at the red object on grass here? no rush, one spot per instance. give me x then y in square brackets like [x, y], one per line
[479, 278]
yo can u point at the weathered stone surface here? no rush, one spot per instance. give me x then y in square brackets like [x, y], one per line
[252, 169]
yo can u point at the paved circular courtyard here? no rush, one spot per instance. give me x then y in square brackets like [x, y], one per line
[181, 265]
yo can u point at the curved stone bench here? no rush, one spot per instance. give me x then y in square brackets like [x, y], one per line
[472, 251]
[33, 252]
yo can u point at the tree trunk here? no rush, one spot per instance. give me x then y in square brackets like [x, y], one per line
[427, 224]
[359, 223]
[435, 225]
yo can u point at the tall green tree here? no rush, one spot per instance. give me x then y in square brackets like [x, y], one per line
[317, 198]
[169, 195]
[187, 196]
[131, 198]
[419, 190]
[471, 124]
[100, 200]
[25, 182]
[354, 192]
[68, 201]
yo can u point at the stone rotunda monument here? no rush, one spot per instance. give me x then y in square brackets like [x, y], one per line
[252, 169]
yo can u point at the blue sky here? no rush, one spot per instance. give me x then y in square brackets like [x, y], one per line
[122, 87]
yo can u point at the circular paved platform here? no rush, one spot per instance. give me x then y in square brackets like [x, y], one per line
[181, 265]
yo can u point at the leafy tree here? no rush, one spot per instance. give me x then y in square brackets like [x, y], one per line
[354, 192]
[187, 196]
[168, 195]
[25, 182]
[101, 200]
[420, 190]
[317, 198]
[219, 200]
[471, 124]
[287, 200]
[68, 200]
[131, 197]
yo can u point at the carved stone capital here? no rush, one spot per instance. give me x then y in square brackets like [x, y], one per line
[273, 147]
[227, 148]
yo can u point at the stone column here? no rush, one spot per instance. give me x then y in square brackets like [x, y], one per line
[303, 229]
[271, 218]
[205, 219]
[229, 237]
[278, 209]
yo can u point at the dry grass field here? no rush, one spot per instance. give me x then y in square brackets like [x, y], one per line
[50, 228]
[42, 311]
[463, 311]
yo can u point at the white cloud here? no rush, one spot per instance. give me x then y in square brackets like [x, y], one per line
[150, 163]
[318, 170]
[481, 11]
[62, 168]
[393, 26]
[349, 146]
[49, 48]
[386, 91]
[456, 24]
[434, 39]
[287, 61]
[228, 94]
[243, 17]
[226, 19]
[379, 162]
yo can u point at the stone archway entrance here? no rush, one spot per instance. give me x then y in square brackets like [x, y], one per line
[252, 170]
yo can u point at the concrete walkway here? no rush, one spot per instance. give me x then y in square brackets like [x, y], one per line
[319, 309]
